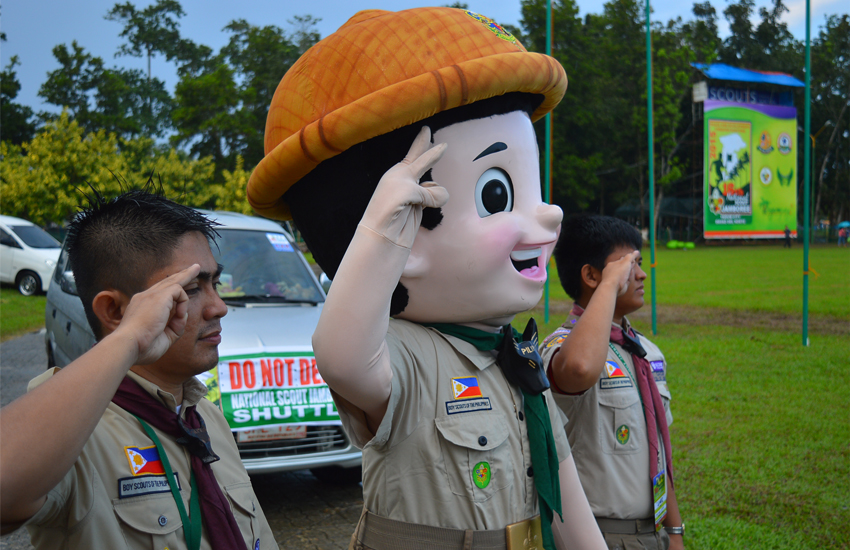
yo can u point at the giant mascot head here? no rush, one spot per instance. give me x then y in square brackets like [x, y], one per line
[350, 108]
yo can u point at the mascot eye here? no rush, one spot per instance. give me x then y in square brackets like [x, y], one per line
[494, 193]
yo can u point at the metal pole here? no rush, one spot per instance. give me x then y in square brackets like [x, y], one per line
[651, 165]
[548, 158]
[808, 175]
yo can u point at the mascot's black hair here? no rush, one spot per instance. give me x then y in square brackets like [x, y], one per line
[327, 203]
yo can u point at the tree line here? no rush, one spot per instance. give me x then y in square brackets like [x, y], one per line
[120, 125]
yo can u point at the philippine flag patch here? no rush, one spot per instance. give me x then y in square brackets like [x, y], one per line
[614, 371]
[144, 460]
[465, 388]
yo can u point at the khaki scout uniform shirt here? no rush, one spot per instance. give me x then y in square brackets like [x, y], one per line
[100, 503]
[419, 467]
[613, 471]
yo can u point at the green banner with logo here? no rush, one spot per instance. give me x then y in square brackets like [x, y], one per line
[750, 189]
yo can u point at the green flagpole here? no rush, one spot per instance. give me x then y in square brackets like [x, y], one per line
[651, 165]
[807, 176]
[548, 158]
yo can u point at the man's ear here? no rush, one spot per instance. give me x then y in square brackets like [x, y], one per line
[590, 276]
[108, 307]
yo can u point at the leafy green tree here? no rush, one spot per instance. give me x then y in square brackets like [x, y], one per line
[153, 30]
[830, 115]
[17, 123]
[71, 85]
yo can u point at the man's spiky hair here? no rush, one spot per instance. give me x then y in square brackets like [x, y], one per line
[119, 243]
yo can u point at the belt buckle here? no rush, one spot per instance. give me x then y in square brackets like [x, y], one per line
[524, 535]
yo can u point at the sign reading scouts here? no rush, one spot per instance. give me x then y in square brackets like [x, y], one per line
[267, 390]
[750, 168]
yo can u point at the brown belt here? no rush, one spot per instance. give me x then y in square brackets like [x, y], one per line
[380, 533]
[626, 526]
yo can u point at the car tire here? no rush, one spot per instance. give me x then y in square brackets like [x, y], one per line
[337, 475]
[28, 283]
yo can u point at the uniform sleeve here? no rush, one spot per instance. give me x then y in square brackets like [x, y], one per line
[403, 410]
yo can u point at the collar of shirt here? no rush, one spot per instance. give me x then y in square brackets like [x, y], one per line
[193, 392]
[481, 359]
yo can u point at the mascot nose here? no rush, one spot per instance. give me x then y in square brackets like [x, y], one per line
[549, 216]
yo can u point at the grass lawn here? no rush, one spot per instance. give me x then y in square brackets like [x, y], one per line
[20, 314]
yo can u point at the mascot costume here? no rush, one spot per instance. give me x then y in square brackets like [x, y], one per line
[402, 146]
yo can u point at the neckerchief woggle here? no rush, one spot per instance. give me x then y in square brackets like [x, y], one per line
[521, 363]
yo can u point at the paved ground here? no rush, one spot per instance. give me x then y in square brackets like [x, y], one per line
[303, 512]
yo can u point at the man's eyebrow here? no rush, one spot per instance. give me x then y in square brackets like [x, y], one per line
[495, 148]
[207, 276]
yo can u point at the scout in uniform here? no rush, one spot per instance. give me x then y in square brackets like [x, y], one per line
[120, 449]
[611, 383]
[450, 410]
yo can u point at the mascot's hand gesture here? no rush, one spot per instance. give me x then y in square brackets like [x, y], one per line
[395, 210]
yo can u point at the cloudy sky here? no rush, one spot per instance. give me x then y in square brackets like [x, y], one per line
[34, 27]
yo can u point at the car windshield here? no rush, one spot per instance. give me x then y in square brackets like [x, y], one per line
[35, 237]
[262, 266]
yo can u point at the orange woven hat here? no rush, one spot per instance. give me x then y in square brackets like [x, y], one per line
[382, 71]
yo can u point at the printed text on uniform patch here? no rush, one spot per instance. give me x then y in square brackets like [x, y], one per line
[144, 485]
[468, 405]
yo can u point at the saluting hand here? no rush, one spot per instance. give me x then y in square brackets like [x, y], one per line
[620, 271]
[395, 210]
[157, 317]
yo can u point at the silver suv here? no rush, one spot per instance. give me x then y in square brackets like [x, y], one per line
[266, 383]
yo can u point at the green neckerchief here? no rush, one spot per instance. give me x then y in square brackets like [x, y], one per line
[192, 527]
[541, 440]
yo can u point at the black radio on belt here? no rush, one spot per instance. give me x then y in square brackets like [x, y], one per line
[520, 361]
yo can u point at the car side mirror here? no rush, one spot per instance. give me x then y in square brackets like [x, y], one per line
[68, 284]
[325, 282]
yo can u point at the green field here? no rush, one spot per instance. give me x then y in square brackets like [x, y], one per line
[19, 314]
[761, 445]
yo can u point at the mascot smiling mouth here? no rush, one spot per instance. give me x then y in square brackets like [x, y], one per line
[526, 260]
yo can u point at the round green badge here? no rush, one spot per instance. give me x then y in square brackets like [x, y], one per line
[481, 474]
[623, 434]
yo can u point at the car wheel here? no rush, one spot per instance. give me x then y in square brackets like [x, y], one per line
[337, 475]
[28, 283]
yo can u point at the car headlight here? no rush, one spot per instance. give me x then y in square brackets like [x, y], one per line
[50, 263]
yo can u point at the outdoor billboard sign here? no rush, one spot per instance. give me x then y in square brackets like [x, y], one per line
[750, 189]
[270, 390]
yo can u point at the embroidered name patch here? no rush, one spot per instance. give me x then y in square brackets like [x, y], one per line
[144, 485]
[613, 370]
[468, 405]
[144, 460]
[614, 383]
[659, 376]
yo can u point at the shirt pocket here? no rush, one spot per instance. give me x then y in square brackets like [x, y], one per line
[245, 511]
[621, 422]
[475, 453]
[153, 522]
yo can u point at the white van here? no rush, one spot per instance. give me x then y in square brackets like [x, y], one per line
[28, 255]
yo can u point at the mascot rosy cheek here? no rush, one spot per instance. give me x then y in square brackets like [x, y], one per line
[432, 250]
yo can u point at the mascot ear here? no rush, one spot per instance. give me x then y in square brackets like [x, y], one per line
[417, 264]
